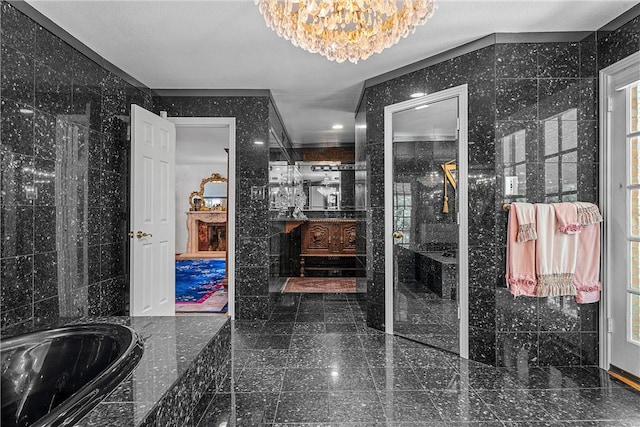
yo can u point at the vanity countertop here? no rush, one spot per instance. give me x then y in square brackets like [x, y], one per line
[171, 345]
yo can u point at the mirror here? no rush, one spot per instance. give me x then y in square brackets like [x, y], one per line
[212, 195]
[327, 185]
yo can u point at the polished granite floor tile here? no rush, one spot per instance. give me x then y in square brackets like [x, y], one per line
[303, 407]
[396, 378]
[302, 368]
[305, 379]
[409, 406]
[343, 379]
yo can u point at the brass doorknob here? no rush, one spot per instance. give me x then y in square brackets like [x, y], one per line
[140, 234]
[398, 234]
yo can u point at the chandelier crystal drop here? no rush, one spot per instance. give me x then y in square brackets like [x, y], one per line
[343, 30]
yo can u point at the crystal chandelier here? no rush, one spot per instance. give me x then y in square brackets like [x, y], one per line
[345, 29]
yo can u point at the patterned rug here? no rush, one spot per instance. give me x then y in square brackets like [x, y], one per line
[320, 285]
[200, 286]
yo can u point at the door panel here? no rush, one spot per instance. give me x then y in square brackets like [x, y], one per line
[152, 214]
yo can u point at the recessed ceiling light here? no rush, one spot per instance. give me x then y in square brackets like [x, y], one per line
[26, 111]
[417, 94]
[258, 142]
[337, 127]
[420, 107]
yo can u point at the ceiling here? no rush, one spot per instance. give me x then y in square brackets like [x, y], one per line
[427, 122]
[201, 145]
[215, 44]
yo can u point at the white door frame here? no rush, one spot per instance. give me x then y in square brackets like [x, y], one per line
[229, 122]
[461, 92]
[630, 65]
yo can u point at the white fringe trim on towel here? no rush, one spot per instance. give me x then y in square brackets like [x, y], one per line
[551, 285]
[589, 215]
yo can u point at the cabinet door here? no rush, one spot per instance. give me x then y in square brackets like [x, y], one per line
[317, 238]
[349, 237]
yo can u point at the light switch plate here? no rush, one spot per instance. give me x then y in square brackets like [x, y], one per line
[257, 192]
[510, 185]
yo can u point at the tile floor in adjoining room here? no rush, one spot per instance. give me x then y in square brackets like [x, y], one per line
[315, 363]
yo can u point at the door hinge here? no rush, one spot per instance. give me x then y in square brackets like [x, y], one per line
[458, 218]
[609, 325]
[458, 123]
[609, 104]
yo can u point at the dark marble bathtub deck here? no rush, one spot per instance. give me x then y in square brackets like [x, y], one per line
[185, 360]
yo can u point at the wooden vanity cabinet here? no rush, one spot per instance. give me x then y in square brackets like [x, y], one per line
[327, 238]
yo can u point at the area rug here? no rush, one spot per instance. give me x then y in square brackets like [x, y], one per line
[320, 285]
[200, 286]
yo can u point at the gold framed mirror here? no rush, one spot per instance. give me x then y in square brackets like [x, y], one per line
[212, 195]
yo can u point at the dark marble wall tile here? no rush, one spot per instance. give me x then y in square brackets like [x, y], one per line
[559, 348]
[17, 230]
[516, 61]
[42, 148]
[482, 345]
[516, 99]
[482, 312]
[45, 276]
[616, 45]
[558, 314]
[558, 60]
[17, 75]
[16, 127]
[516, 349]
[557, 96]
[16, 283]
[589, 56]
[18, 31]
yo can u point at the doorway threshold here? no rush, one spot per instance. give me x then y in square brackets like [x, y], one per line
[624, 376]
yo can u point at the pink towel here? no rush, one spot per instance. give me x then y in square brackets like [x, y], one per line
[521, 260]
[556, 255]
[567, 218]
[526, 215]
[587, 275]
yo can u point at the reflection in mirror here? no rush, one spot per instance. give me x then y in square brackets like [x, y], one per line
[211, 196]
[215, 195]
[323, 185]
[425, 206]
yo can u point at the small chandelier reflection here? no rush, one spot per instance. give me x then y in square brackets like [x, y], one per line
[345, 29]
[325, 190]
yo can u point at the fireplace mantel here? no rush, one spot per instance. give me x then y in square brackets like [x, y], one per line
[209, 217]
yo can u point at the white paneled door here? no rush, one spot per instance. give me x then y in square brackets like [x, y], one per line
[152, 235]
[622, 285]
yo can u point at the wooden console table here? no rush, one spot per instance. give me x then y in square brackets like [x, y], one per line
[327, 238]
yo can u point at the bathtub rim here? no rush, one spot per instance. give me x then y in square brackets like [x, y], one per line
[93, 392]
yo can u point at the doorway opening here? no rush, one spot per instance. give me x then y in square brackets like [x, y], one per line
[426, 203]
[204, 215]
[620, 196]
